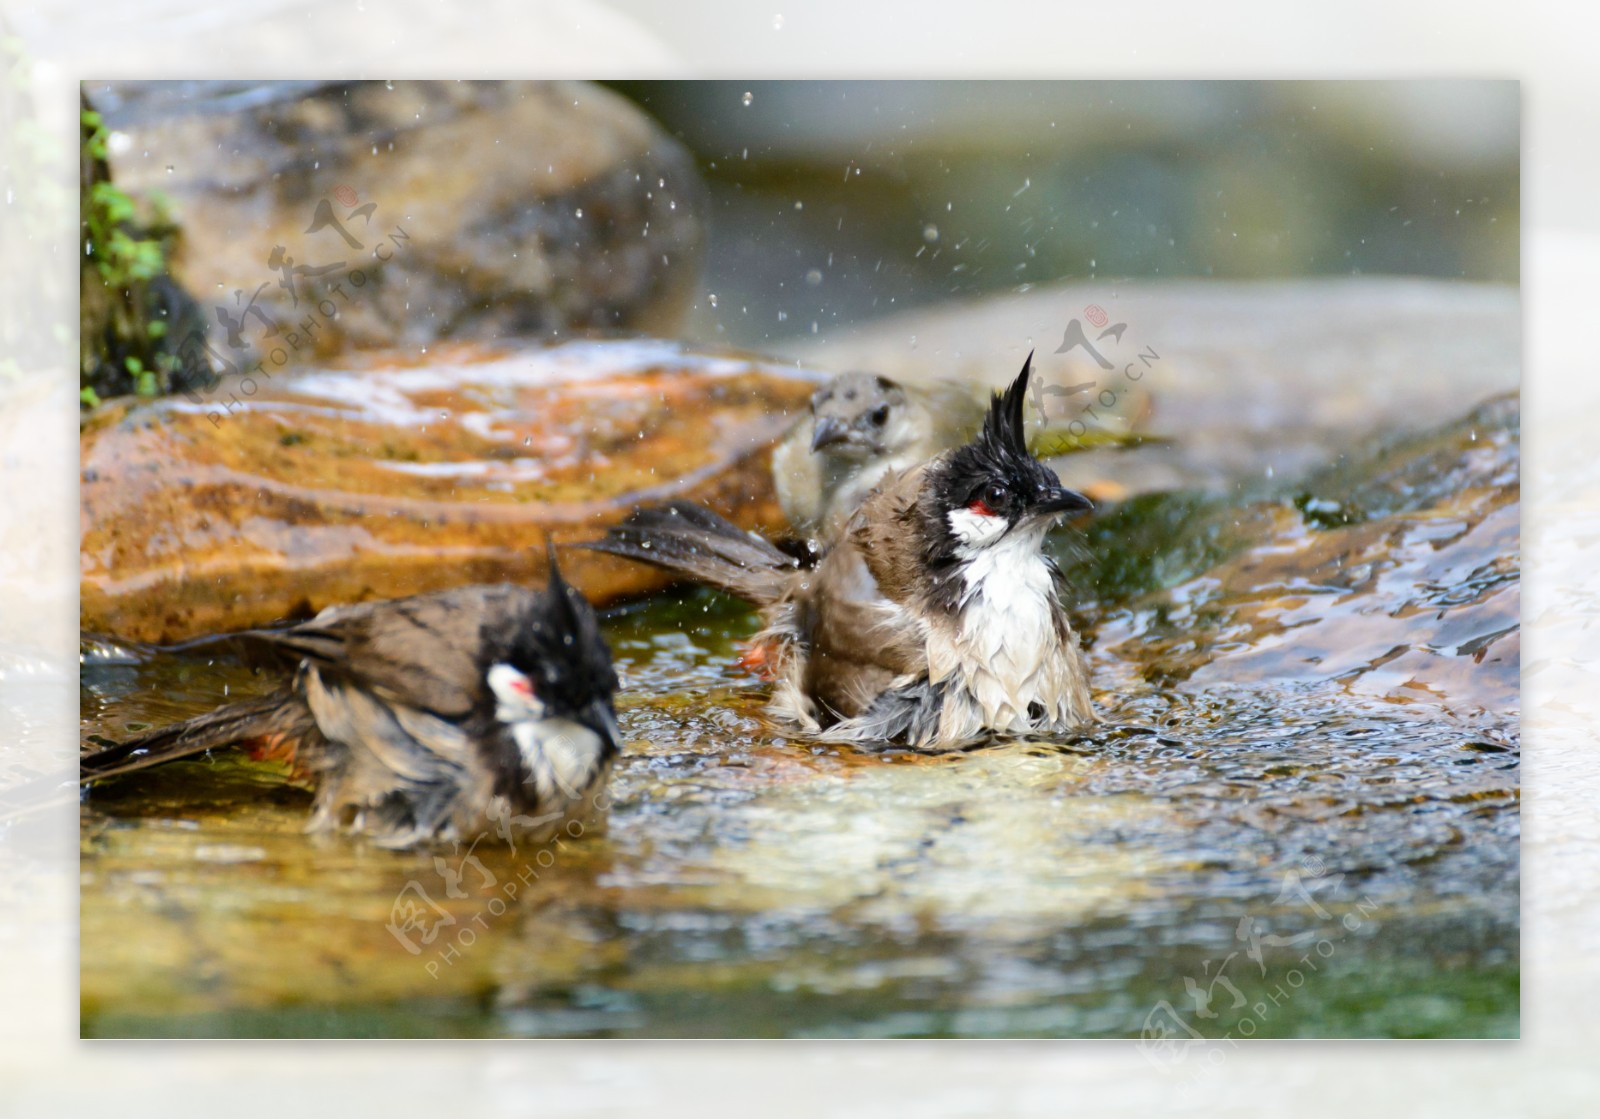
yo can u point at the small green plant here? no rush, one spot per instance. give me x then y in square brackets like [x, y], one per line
[126, 291]
[110, 233]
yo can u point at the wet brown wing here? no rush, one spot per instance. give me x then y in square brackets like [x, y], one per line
[425, 651]
[887, 534]
[862, 638]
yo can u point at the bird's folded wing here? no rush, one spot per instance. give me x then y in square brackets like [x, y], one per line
[424, 651]
[860, 620]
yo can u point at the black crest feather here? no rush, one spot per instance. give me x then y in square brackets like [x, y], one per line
[566, 653]
[1002, 427]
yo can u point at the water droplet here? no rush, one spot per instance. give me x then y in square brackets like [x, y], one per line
[814, 277]
[388, 85]
[712, 298]
[930, 233]
[748, 97]
[170, 169]
[798, 205]
[777, 23]
[579, 211]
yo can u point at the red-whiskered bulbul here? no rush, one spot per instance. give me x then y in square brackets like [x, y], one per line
[427, 719]
[933, 619]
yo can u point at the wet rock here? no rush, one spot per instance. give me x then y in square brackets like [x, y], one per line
[392, 476]
[1242, 381]
[322, 216]
[1394, 575]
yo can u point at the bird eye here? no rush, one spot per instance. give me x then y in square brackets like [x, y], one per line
[880, 416]
[993, 500]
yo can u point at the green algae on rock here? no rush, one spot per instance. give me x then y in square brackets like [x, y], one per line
[406, 473]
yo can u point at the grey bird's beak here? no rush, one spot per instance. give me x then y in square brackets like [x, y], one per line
[603, 722]
[1060, 500]
[829, 430]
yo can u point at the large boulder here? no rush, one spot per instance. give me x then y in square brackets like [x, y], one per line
[271, 499]
[319, 216]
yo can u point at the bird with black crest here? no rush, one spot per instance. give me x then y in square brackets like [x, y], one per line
[932, 620]
[429, 719]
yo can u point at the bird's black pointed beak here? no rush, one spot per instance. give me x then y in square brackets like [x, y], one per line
[603, 722]
[829, 430]
[1059, 500]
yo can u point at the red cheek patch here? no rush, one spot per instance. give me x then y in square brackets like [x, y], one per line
[981, 508]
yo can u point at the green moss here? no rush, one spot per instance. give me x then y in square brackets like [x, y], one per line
[127, 299]
[1148, 543]
[123, 250]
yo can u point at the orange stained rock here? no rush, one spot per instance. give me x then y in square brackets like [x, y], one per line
[388, 477]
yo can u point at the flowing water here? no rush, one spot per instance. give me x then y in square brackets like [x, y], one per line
[1299, 817]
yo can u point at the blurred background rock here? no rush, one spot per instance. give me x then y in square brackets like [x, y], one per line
[431, 210]
[834, 202]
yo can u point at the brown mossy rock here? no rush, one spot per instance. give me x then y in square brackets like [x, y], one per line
[1395, 574]
[272, 499]
[497, 209]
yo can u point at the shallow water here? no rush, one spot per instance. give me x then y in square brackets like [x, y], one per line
[1298, 818]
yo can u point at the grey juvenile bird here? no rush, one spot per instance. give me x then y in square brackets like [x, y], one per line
[932, 620]
[430, 718]
[861, 428]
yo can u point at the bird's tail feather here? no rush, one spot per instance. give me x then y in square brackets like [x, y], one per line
[691, 541]
[279, 713]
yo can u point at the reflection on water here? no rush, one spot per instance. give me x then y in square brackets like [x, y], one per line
[1312, 822]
